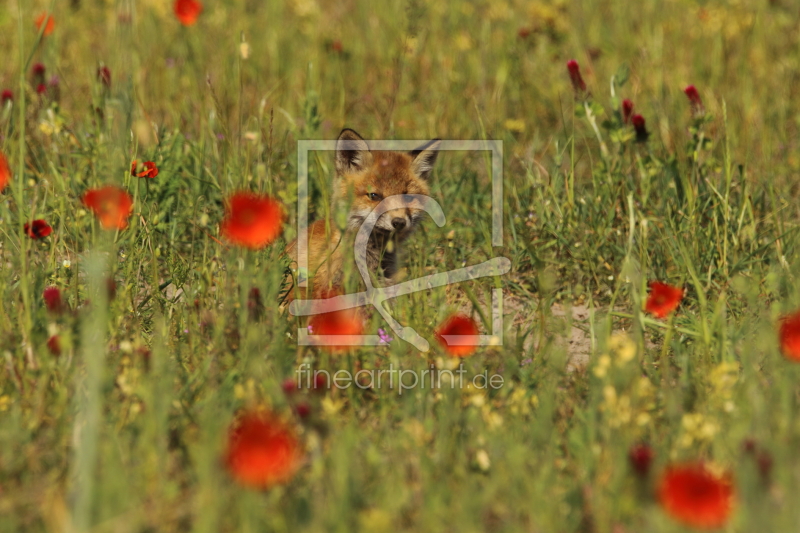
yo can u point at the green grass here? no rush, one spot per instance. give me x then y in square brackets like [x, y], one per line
[103, 439]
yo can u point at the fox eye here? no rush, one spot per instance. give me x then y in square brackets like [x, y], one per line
[374, 196]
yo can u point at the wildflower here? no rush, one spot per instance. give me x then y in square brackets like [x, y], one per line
[384, 336]
[640, 128]
[37, 229]
[49, 27]
[524, 33]
[37, 71]
[627, 111]
[641, 458]
[289, 386]
[344, 324]
[6, 96]
[575, 76]
[303, 410]
[694, 99]
[150, 170]
[41, 89]
[695, 496]
[104, 75]
[663, 299]
[262, 451]
[789, 334]
[252, 220]
[187, 11]
[52, 300]
[5, 172]
[463, 327]
[111, 205]
[54, 345]
[320, 381]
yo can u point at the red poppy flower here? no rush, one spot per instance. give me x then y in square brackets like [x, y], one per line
[104, 75]
[52, 300]
[51, 23]
[111, 205]
[789, 336]
[6, 96]
[252, 220]
[37, 229]
[54, 345]
[263, 451]
[663, 299]
[575, 76]
[150, 170]
[5, 172]
[187, 11]
[692, 494]
[345, 324]
[640, 127]
[641, 457]
[627, 111]
[463, 326]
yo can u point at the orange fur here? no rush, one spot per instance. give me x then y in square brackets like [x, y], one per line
[363, 179]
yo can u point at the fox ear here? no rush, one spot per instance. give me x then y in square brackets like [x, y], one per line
[424, 157]
[352, 152]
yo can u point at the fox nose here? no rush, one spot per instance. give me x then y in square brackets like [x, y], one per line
[398, 223]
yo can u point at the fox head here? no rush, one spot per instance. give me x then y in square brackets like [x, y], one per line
[364, 178]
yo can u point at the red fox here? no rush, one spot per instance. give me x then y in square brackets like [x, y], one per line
[363, 179]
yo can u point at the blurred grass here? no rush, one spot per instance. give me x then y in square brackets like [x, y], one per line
[708, 204]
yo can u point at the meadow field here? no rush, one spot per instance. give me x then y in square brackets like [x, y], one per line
[151, 382]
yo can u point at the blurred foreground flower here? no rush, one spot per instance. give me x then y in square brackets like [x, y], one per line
[6, 96]
[37, 229]
[627, 111]
[111, 205]
[54, 345]
[789, 336]
[640, 127]
[694, 99]
[641, 458]
[252, 220]
[458, 325]
[345, 324]
[695, 496]
[52, 300]
[104, 75]
[5, 172]
[187, 11]
[150, 170]
[663, 299]
[262, 451]
[575, 76]
[49, 27]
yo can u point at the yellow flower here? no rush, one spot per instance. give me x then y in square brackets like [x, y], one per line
[516, 125]
[623, 347]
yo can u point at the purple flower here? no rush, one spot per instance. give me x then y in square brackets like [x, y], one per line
[385, 338]
[526, 362]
